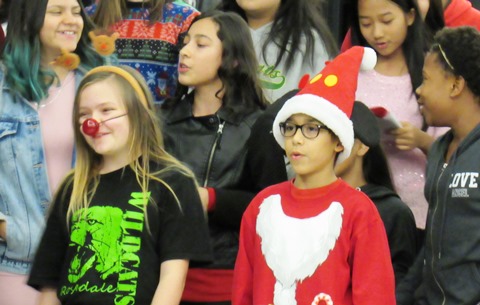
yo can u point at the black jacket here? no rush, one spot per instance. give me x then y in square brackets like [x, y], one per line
[216, 149]
[400, 227]
[448, 270]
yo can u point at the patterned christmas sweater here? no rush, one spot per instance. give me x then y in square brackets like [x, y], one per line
[313, 246]
[153, 49]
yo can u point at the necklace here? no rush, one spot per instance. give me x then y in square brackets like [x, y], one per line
[54, 92]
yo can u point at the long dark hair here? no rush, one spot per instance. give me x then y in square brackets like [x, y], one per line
[112, 11]
[238, 71]
[294, 20]
[414, 45]
[375, 167]
[22, 52]
[4, 8]
[434, 20]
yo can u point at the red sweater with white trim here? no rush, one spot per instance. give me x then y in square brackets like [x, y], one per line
[296, 244]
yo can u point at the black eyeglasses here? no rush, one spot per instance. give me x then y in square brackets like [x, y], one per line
[309, 130]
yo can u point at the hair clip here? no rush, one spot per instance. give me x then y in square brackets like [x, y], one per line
[445, 57]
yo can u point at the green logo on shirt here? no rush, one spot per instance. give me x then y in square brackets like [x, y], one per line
[106, 242]
[271, 78]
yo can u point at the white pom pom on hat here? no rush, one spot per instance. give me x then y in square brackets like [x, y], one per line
[329, 97]
[369, 59]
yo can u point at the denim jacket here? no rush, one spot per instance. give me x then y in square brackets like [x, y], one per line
[24, 190]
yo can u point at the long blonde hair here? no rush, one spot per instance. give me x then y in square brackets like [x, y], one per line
[145, 140]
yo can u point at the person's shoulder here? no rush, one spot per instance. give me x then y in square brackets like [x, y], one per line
[439, 145]
[9, 95]
[169, 173]
[79, 75]
[175, 110]
[279, 188]
[61, 198]
[353, 197]
[385, 198]
[359, 209]
[176, 7]
[252, 117]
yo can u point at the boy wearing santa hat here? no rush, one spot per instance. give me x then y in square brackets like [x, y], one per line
[314, 239]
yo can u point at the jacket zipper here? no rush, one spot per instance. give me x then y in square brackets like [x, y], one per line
[212, 151]
[431, 238]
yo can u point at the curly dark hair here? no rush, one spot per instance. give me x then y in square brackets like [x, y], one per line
[461, 46]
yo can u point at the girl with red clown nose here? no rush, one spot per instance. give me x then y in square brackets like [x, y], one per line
[124, 224]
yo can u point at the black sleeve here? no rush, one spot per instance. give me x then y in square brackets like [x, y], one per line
[49, 259]
[411, 283]
[183, 232]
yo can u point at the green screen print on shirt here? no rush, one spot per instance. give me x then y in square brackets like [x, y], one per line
[106, 241]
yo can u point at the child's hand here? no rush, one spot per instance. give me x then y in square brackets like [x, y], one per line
[409, 137]
[405, 137]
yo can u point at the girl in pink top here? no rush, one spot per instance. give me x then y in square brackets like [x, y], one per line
[394, 29]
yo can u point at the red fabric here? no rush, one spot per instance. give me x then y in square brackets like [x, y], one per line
[340, 91]
[212, 199]
[357, 270]
[2, 37]
[211, 285]
[347, 42]
[461, 12]
[457, 13]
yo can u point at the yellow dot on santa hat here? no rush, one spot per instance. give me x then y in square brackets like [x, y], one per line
[316, 78]
[331, 80]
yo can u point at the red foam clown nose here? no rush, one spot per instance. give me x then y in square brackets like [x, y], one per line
[90, 127]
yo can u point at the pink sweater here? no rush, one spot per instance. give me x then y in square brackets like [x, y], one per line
[407, 167]
[57, 130]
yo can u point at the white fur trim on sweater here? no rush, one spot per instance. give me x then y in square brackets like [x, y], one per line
[294, 248]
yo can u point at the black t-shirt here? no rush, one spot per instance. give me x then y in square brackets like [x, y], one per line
[110, 253]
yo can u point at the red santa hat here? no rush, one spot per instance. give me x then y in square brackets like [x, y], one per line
[329, 97]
